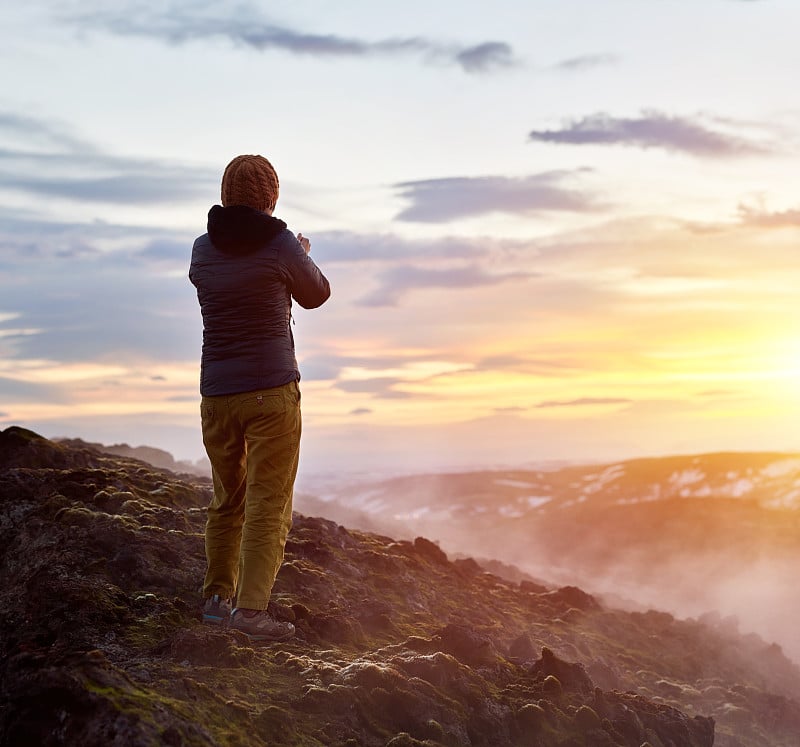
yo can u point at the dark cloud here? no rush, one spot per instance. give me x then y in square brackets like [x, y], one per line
[650, 130]
[485, 57]
[399, 280]
[586, 62]
[244, 26]
[441, 200]
[765, 219]
[584, 401]
[361, 411]
[50, 161]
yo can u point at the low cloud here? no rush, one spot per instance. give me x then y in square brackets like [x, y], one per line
[584, 401]
[441, 200]
[325, 366]
[15, 390]
[27, 239]
[347, 246]
[765, 219]
[89, 303]
[650, 130]
[361, 411]
[400, 280]
[49, 160]
[538, 366]
[244, 26]
[586, 62]
[485, 57]
[381, 387]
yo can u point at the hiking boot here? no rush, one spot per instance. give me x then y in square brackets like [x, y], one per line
[259, 625]
[216, 611]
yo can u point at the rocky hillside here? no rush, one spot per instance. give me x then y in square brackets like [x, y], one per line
[150, 454]
[102, 557]
[689, 534]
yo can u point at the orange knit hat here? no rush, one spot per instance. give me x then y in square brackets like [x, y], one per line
[251, 181]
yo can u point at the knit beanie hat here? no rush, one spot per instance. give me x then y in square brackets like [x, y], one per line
[251, 181]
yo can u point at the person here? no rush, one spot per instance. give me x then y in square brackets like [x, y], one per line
[247, 269]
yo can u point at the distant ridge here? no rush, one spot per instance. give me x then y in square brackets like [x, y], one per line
[150, 454]
[691, 534]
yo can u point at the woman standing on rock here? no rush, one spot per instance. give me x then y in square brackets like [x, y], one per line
[247, 269]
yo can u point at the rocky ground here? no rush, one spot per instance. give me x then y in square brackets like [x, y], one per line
[102, 558]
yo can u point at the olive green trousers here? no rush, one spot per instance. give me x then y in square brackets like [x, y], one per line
[253, 443]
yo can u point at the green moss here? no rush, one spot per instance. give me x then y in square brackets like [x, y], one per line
[587, 718]
[531, 718]
[552, 686]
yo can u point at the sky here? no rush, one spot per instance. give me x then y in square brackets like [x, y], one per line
[553, 231]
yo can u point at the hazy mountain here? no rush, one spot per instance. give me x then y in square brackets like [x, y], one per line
[101, 644]
[687, 533]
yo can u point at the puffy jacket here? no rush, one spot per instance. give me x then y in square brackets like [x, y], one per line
[247, 269]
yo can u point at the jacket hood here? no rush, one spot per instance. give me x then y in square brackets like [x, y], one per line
[238, 229]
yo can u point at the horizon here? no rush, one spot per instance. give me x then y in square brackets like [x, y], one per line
[546, 240]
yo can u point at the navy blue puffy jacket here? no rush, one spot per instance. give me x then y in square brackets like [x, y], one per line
[247, 269]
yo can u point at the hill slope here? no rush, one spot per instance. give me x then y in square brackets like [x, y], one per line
[689, 534]
[101, 559]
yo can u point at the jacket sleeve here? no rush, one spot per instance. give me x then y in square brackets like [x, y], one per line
[308, 286]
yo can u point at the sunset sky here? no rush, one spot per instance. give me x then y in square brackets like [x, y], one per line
[554, 230]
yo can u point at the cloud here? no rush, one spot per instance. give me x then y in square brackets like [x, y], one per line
[48, 160]
[441, 200]
[651, 130]
[15, 390]
[329, 366]
[713, 393]
[382, 387]
[244, 26]
[400, 280]
[348, 246]
[764, 219]
[361, 411]
[583, 401]
[586, 62]
[87, 302]
[485, 57]
[37, 131]
[539, 366]
[28, 240]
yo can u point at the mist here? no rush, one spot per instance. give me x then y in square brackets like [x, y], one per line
[665, 534]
